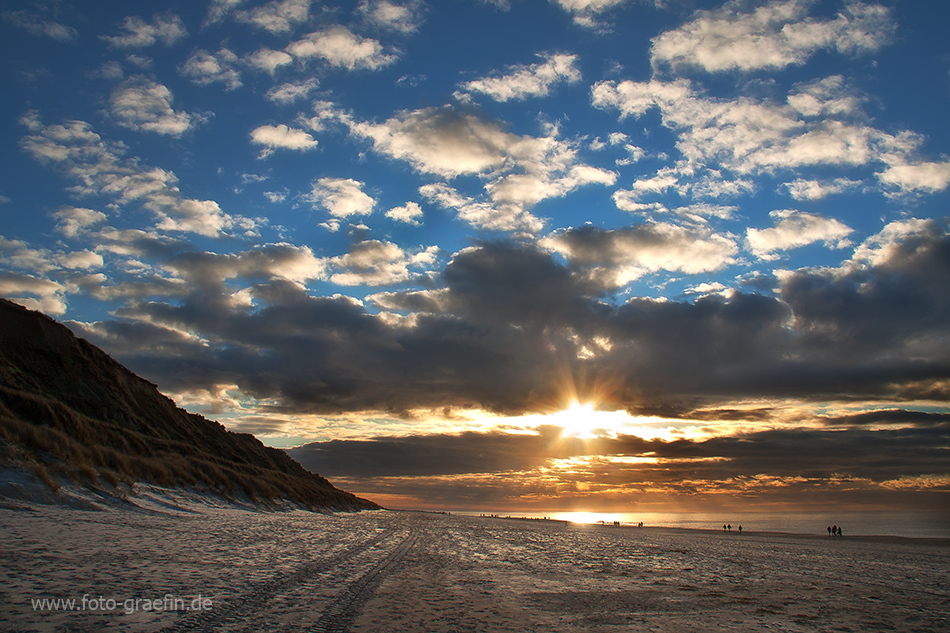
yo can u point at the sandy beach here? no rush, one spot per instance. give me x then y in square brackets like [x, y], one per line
[187, 563]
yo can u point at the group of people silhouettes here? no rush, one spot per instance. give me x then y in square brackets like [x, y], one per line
[728, 528]
[834, 530]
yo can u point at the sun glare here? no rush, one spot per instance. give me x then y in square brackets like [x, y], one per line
[584, 421]
[579, 420]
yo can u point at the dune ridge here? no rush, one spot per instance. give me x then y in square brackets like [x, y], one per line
[69, 412]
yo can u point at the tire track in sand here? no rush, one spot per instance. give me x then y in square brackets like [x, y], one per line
[237, 610]
[337, 616]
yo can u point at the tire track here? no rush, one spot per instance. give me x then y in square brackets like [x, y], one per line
[337, 617]
[236, 610]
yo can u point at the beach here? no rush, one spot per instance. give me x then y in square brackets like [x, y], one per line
[178, 563]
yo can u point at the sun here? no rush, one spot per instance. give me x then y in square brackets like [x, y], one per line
[584, 421]
[580, 420]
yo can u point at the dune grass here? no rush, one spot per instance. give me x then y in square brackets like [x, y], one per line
[68, 410]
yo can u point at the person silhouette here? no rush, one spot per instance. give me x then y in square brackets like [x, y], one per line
[829, 530]
[834, 530]
[839, 530]
[740, 529]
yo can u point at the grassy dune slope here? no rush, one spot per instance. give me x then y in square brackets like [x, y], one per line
[68, 409]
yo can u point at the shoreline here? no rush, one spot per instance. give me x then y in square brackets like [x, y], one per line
[935, 541]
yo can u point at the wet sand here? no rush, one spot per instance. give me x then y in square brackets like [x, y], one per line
[406, 571]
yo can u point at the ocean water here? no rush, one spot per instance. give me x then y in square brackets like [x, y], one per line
[933, 524]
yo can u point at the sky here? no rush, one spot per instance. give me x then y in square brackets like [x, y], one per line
[590, 255]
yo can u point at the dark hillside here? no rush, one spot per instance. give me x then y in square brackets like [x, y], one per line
[68, 408]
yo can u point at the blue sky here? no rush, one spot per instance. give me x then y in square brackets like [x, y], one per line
[599, 240]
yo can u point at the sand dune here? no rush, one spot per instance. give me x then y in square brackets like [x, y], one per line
[403, 571]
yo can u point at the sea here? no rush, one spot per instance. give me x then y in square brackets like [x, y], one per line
[917, 524]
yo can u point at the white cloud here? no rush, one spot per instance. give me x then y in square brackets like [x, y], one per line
[713, 184]
[277, 16]
[19, 254]
[615, 258]
[166, 28]
[707, 288]
[828, 96]
[142, 61]
[276, 197]
[221, 8]
[775, 35]
[635, 154]
[803, 189]
[448, 143]
[111, 70]
[205, 68]
[706, 210]
[37, 25]
[482, 215]
[269, 60]
[73, 140]
[325, 112]
[342, 197]
[588, 5]
[891, 242]
[535, 80]
[81, 260]
[410, 213]
[441, 141]
[502, 5]
[274, 261]
[377, 263]
[666, 179]
[636, 98]
[289, 92]
[627, 200]
[33, 292]
[141, 104]
[74, 220]
[341, 47]
[540, 184]
[696, 214]
[404, 17]
[188, 215]
[585, 10]
[794, 229]
[99, 168]
[520, 170]
[916, 176]
[753, 137]
[282, 137]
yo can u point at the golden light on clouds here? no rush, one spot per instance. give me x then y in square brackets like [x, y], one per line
[584, 421]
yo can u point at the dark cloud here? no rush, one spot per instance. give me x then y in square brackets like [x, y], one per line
[891, 416]
[427, 455]
[877, 455]
[510, 328]
[897, 308]
[731, 414]
[516, 284]
[771, 466]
